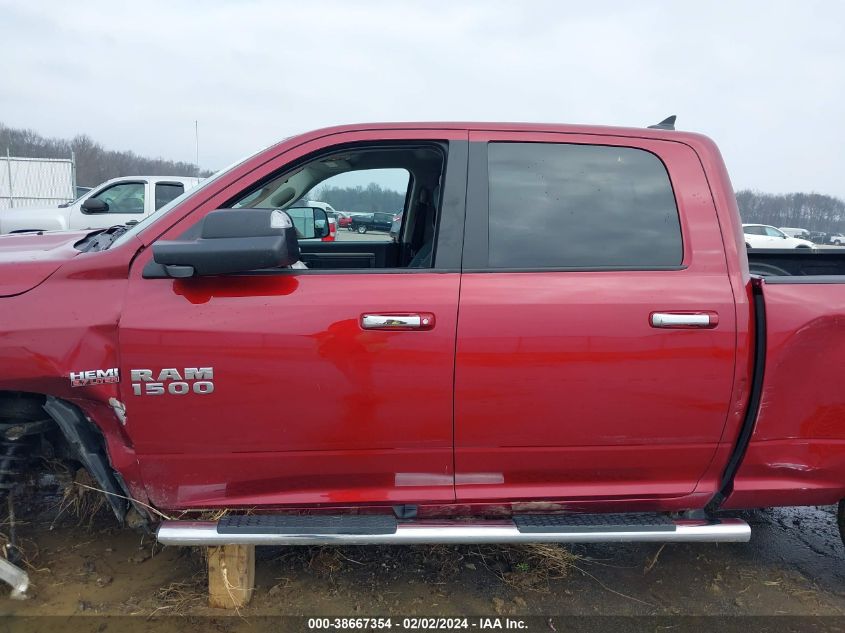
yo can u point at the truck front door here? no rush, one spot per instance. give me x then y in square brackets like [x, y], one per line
[126, 202]
[272, 388]
[596, 338]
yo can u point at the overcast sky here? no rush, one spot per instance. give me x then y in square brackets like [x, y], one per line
[766, 80]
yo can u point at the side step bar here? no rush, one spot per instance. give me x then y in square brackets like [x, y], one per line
[385, 530]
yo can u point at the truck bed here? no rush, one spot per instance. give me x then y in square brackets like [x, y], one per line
[796, 454]
[798, 266]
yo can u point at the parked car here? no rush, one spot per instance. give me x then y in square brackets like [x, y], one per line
[764, 236]
[837, 239]
[818, 237]
[344, 220]
[338, 216]
[803, 234]
[589, 375]
[377, 221]
[117, 201]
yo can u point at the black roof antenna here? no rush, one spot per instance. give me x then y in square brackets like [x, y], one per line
[666, 124]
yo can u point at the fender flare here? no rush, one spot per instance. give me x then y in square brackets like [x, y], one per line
[89, 447]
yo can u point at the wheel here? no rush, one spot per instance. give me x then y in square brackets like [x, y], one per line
[802, 246]
[837, 243]
[747, 245]
[362, 229]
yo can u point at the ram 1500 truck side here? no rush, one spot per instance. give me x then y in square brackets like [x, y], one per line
[565, 343]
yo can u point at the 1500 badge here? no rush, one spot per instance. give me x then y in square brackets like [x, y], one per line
[146, 382]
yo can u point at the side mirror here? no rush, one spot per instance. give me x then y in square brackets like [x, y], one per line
[95, 205]
[232, 241]
[310, 222]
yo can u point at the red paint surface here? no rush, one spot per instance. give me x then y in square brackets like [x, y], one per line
[797, 452]
[549, 388]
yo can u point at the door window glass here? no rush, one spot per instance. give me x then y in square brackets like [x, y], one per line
[127, 197]
[382, 203]
[167, 191]
[564, 205]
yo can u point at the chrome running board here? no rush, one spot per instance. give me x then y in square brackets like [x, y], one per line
[431, 531]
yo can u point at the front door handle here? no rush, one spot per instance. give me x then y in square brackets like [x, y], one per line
[684, 320]
[398, 321]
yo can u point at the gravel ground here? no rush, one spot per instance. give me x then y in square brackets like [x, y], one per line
[793, 566]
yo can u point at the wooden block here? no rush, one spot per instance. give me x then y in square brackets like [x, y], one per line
[231, 575]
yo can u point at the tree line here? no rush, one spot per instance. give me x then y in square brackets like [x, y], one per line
[373, 197]
[94, 163]
[811, 211]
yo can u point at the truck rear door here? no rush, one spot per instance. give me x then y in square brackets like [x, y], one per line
[596, 337]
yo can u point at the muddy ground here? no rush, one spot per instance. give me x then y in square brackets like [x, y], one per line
[794, 565]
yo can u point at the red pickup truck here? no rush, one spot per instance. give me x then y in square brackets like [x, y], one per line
[565, 343]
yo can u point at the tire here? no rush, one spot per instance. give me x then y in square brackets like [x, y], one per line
[747, 245]
[837, 243]
[802, 246]
[361, 229]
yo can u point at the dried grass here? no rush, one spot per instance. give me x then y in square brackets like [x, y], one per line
[181, 598]
[81, 499]
[529, 567]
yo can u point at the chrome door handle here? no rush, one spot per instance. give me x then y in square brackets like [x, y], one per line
[414, 321]
[684, 320]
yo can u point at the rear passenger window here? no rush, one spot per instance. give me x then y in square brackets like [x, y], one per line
[165, 192]
[560, 205]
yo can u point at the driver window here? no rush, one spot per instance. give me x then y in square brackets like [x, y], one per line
[365, 205]
[382, 205]
[127, 197]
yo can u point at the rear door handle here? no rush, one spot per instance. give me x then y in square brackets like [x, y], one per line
[407, 321]
[684, 320]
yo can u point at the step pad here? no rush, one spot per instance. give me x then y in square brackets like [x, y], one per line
[628, 522]
[365, 524]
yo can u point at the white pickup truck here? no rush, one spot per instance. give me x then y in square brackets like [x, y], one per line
[117, 201]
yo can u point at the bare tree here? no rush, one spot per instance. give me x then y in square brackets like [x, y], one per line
[94, 164]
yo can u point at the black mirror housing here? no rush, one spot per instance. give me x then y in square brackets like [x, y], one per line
[232, 241]
[94, 205]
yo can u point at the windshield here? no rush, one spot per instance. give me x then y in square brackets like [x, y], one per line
[158, 213]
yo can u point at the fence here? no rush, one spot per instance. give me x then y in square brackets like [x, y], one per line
[36, 182]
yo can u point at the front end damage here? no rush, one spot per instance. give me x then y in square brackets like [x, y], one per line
[35, 429]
